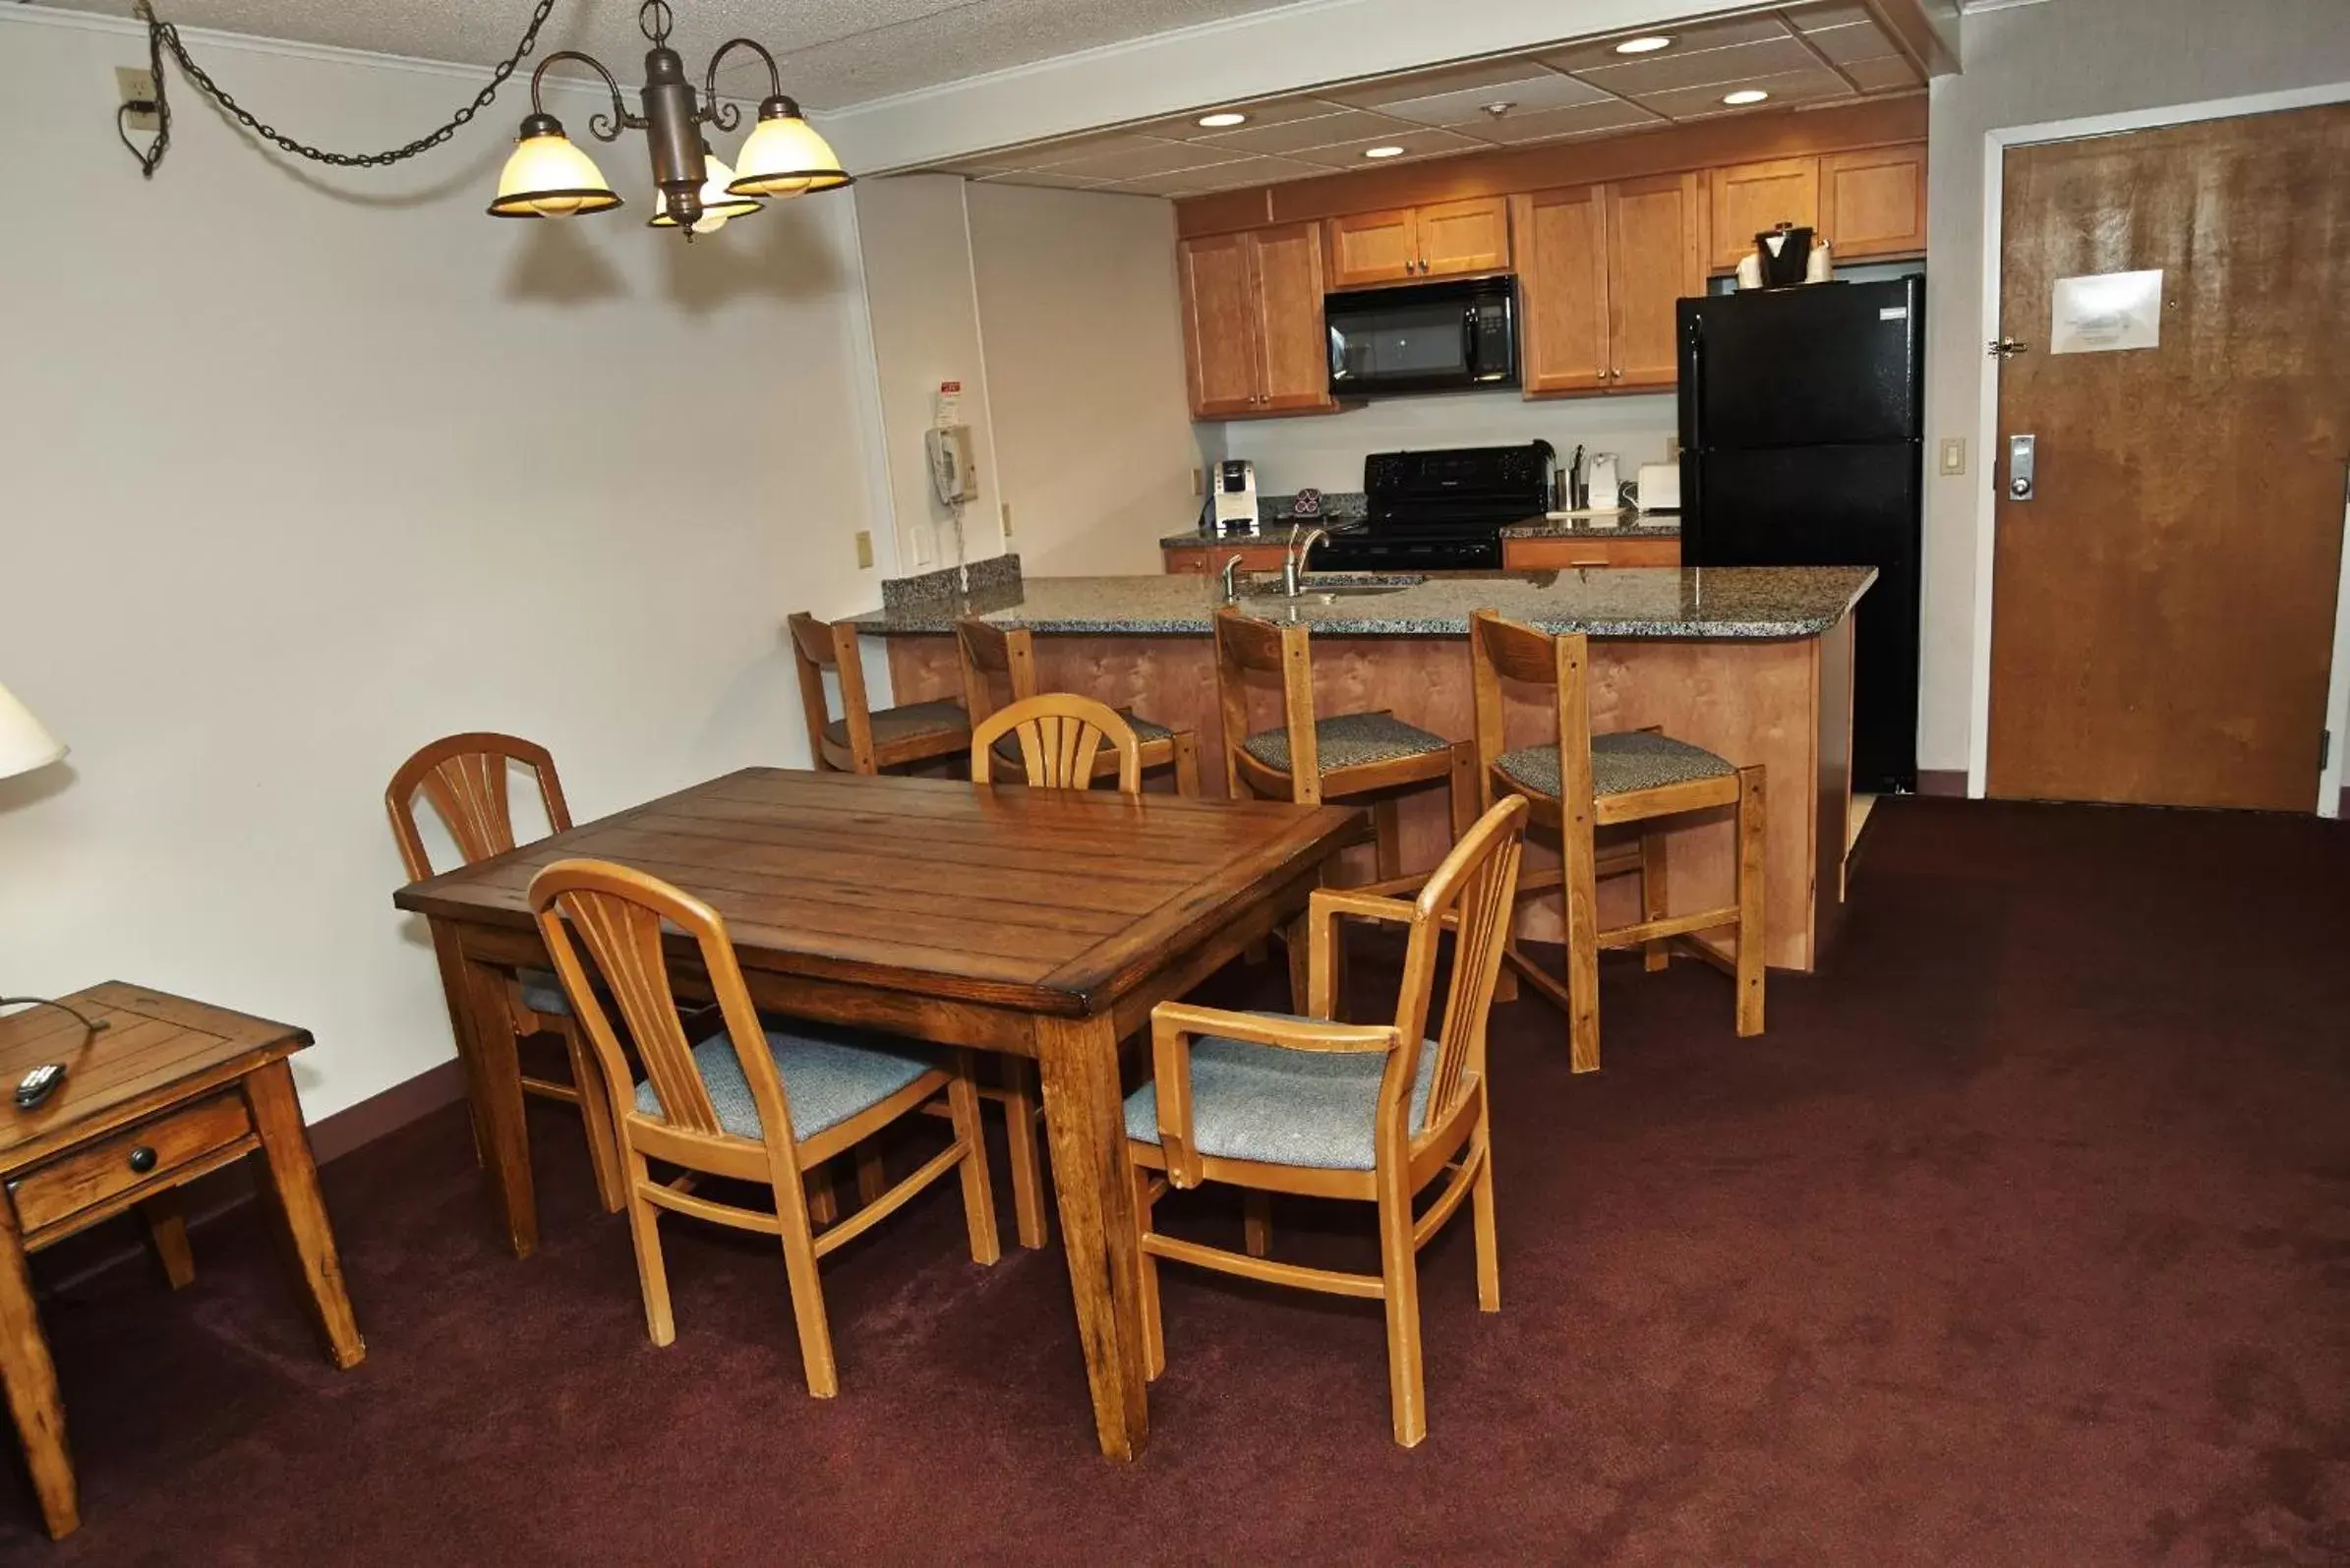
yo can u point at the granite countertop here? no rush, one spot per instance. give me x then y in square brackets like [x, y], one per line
[1703, 603]
[1635, 526]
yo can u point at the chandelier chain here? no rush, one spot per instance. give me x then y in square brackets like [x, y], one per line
[163, 38]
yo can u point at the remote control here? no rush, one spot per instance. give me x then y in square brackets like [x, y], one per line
[35, 1087]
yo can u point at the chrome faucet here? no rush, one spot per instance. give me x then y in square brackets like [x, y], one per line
[1231, 587]
[1293, 563]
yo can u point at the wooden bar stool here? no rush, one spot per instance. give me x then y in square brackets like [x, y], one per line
[986, 650]
[1310, 760]
[864, 740]
[1585, 782]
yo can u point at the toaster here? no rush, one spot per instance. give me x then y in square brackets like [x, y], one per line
[1659, 487]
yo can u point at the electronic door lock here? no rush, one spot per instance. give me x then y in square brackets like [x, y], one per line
[2020, 467]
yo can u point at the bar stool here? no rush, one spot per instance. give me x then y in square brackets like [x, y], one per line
[864, 740]
[986, 650]
[1310, 759]
[1584, 782]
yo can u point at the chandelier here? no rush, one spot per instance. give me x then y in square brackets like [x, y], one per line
[549, 177]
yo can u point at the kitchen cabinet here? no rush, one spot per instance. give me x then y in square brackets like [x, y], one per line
[1749, 198]
[1252, 323]
[1562, 552]
[1872, 204]
[1600, 269]
[1444, 239]
[1208, 557]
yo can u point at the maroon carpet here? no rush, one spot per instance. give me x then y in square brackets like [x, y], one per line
[2023, 1238]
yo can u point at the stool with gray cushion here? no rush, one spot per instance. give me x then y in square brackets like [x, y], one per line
[865, 739]
[993, 656]
[1279, 1103]
[1581, 783]
[752, 1103]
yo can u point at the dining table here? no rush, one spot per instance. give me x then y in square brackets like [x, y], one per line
[1038, 924]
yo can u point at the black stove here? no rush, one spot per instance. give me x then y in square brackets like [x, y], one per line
[1440, 511]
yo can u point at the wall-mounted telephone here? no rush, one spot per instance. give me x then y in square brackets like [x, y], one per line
[953, 473]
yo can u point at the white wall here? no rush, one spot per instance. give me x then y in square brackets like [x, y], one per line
[1084, 374]
[916, 240]
[306, 468]
[2030, 65]
[1327, 450]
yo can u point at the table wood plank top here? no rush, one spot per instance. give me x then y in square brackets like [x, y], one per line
[1042, 900]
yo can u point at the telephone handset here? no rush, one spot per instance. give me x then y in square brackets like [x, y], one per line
[953, 473]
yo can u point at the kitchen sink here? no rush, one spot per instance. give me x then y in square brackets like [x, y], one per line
[1327, 587]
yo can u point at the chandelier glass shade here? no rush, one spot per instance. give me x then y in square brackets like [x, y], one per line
[548, 176]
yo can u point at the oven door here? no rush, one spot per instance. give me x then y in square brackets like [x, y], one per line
[1427, 337]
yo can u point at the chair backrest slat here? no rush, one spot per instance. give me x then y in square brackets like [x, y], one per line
[986, 649]
[1473, 891]
[1061, 735]
[464, 776]
[1244, 644]
[815, 649]
[1504, 649]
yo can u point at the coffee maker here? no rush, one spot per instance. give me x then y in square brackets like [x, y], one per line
[1235, 496]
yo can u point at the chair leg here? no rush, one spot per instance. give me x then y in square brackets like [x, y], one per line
[1257, 1222]
[1481, 1214]
[1155, 1340]
[979, 1197]
[871, 1179]
[1386, 827]
[1655, 897]
[1399, 1275]
[595, 1113]
[823, 1204]
[1752, 821]
[1462, 787]
[1299, 950]
[808, 1290]
[1020, 1139]
[1579, 893]
[1187, 764]
[652, 1276]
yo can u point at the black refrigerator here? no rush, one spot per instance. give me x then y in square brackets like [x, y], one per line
[1802, 417]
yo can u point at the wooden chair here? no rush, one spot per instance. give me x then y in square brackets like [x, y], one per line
[1586, 781]
[750, 1103]
[1311, 760]
[986, 650]
[865, 739]
[1314, 1106]
[1058, 740]
[465, 778]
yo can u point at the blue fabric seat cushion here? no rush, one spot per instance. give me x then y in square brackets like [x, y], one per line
[542, 992]
[1349, 740]
[829, 1075]
[1277, 1107]
[944, 719]
[1621, 764]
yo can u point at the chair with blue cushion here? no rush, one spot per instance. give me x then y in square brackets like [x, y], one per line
[986, 650]
[865, 739]
[1276, 1103]
[466, 778]
[751, 1103]
[1580, 782]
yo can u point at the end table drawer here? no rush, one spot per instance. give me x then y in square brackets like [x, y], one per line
[134, 1157]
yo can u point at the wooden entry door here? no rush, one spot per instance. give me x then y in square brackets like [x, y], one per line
[2163, 606]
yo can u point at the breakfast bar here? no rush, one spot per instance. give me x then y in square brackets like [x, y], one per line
[1754, 663]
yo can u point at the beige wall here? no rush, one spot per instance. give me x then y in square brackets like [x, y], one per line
[2025, 65]
[1084, 374]
[304, 468]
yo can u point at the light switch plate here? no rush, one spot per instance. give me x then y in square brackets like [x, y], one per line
[1007, 510]
[136, 85]
[1954, 455]
[864, 549]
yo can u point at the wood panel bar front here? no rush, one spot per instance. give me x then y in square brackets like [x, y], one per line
[1783, 703]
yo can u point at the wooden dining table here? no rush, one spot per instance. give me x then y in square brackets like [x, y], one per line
[1042, 923]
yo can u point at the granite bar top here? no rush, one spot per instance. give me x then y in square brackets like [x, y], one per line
[1635, 526]
[1709, 603]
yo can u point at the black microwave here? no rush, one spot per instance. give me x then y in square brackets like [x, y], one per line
[1423, 337]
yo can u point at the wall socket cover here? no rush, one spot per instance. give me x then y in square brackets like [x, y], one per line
[864, 549]
[136, 85]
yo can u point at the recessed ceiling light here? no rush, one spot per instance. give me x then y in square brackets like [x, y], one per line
[1744, 96]
[1648, 44]
[1222, 118]
[1390, 150]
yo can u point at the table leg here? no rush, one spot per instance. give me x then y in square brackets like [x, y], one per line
[1084, 1118]
[32, 1379]
[292, 1192]
[453, 991]
[167, 1233]
[493, 1086]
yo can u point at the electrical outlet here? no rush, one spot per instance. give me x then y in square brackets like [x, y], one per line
[1198, 481]
[1007, 511]
[1954, 455]
[136, 85]
[1672, 448]
[864, 550]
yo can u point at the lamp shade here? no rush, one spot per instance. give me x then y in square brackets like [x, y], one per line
[25, 742]
[717, 204]
[784, 156]
[547, 177]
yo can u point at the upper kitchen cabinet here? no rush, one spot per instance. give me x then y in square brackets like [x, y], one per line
[1399, 245]
[1751, 199]
[1251, 322]
[1872, 204]
[1600, 267]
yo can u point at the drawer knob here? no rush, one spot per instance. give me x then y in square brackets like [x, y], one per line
[142, 1159]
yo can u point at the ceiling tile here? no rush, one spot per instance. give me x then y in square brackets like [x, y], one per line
[1321, 131]
[1793, 87]
[1859, 41]
[1687, 38]
[1134, 164]
[1582, 120]
[1252, 171]
[1046, 178]
[1882, 75]
[1466, 106]
[1426, 84]
[1811, 19]
[1276, 111]
[1416, 142]
[1661, 73]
